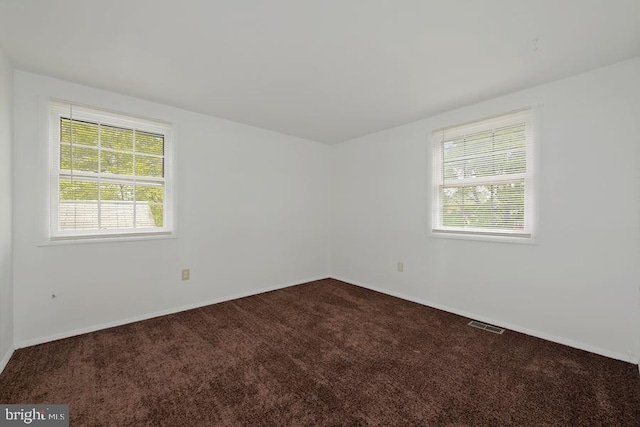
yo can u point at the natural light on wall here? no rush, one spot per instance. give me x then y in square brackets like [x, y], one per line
[483, 182]
[110, 174]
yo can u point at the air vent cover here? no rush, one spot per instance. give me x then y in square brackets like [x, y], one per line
[486, 327]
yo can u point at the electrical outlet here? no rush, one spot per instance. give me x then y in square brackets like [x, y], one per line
[186, 274]
[400, 267]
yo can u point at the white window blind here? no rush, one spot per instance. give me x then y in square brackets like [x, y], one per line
[483, 177]
[110, 174]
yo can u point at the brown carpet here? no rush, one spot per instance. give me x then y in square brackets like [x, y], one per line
[317, 354]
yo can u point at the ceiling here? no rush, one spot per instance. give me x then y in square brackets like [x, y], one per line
[325, 70]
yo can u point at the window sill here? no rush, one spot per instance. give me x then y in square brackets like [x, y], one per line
[522, 240]
[105, 239]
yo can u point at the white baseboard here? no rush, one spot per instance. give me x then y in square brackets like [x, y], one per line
[545, 336]
[6, 358]
[93, 328]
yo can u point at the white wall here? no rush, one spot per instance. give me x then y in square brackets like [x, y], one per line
[252, 214]
[6, 126]
[578, 285]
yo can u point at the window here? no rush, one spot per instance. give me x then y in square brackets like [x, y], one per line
[483, 177]
[110, 174]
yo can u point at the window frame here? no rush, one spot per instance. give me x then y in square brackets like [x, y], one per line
[529, 233]
[59, 109]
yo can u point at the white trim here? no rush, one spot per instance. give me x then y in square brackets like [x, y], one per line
[106, 325]
[107, 239]
[529, 240]
[507, 325]
[6, 358]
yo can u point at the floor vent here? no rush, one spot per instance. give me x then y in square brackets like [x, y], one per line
[486, 327]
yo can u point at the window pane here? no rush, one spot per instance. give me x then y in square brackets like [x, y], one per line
[78, 190]
[116, 215]
[117, 192]
[78, 215]
[78, 208]
[149, 166]
[497, 152]
[116, 138]
[510, 137]
[484, 206]
[78, 158]
[84, 133]
[508, 162]
[149, 143]
[149, 206]
[492, 164]
[116, 162]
